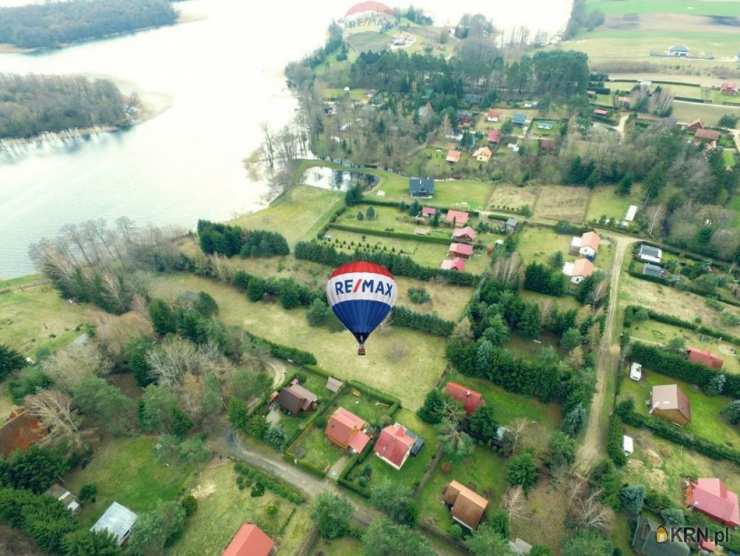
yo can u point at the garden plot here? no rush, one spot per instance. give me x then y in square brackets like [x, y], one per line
[513, 197]
[560, 202]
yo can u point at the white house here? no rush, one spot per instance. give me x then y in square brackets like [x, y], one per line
[631, 213]
[650, 254]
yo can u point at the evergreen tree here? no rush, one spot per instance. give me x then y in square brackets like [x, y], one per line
[10, 361]
[433, 407]
[522, 471]
[162, 317]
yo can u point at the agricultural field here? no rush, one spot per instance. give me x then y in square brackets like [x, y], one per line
[298, 214]
[683, 305]
[706, 421]
[654, 332]
[221, 502]
[394, 354]
[513, 197]
[138, 480]
[605, 202]
[538, 243]
[560, 202]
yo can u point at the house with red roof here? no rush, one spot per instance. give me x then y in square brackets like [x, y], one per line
[586, 245]
[455, 263]
[711, 497]
[494, 136]
[21, 431]
[600, 112]
[347, 430]
[453, 156]
[579, 270]
[457, 218]
[696, 124]
[428, 212]
[708, 136]
[394, 445]
[728, 88]
[470, 399]
[493, 115]
[462, 250]
[249, 540]
[703, 357]
[466, 234]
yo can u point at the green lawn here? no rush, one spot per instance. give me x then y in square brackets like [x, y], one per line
[126, 471]
[605, 202]
[710, 114]
[369, 41]
[706, 421]
[362, 405]
[314, 449]
[337, 547]
[730, 158]
[298, 214]
[399, 361]
[539, 243]
[705, 7]
[223, 508]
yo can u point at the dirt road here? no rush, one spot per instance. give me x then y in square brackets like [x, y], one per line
[594, 440]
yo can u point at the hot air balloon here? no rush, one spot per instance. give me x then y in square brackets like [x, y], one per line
[361, 294]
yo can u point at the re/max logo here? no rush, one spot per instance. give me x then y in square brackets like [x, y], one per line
[363, 286]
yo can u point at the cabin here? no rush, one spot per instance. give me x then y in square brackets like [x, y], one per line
[117, 520]
[669, 403]
[347, 430]
[465, 235]
[295, 398]
[650, 254]
[467, 506]
[711, 497]
[334, 385]
[457, 218]
[69, 500]
[428, 212]
[483, 154]
[728, 88]
[648, 540]
[703, 357]
[579, 270]
[456, 263]
[421, 187]
[21, 431]
[695, 125]
[586, 245]
[519, 119]
[631, 213]
[493, 115]
[249, 540]
[394, 445]
[453, 156]
[470, 399]
[494, 136]
[678, 51]
[461, 250]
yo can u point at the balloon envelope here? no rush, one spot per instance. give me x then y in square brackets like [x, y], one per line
[361, 294]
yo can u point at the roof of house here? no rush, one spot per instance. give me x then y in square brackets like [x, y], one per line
[601, 112]
[421, 185]
[460, 217]
[591, 239]
[703, 357]
[345, 429]
[461, 249]
[58, 492]
[712, 497]
[681, 47]
[696, 124]
[249, 540]
[20, 432]
[494, 136]
[645, 542]
[669, 397]
[118, 520]
[333, 384]
[363, 7]
[467, 505]
[519, 118]
[453, 156]
[453, 264]
[483, 152]
[466, 232]
[729, 85]
[583, 267]
[295, 398]
[650, 251]
[653, 270]
[707, 134]
[428, 211]
[493, 113]
[394, 444]
[470, 399]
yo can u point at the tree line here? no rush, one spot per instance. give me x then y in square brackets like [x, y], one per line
[55, 24]
[34, 104]
[232, 240]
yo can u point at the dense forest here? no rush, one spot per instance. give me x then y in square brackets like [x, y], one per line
[58, 23]
[33, 104]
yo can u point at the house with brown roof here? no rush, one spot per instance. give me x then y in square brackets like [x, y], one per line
[347, 430]
[483, 154]
[428, 212]
[457, 218]
[696, 124]
[728, 88]
[494, 136]
[21, 431]
[470, 399]
[466, 234]
[668, 402]
[461, 250]
[467, 506]
[394, 445]
[579, 270]
[249, 540]
[456, 263]
[296, 398]
[707, 136]
[453, 156]
[493, 115]
[586, 245]
[703, 357]
[711, 497]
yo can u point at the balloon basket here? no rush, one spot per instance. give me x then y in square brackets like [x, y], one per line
[361, 350]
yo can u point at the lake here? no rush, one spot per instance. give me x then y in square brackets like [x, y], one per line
[222, 74]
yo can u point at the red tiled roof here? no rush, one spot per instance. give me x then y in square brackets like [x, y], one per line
[249, 540]
[453, 156]
[470, 399]
[459, 217]
[453, 264]
[343, 426]
[358, 442]
[712, 497]
[428, 211]
[583, 267]
[707, 134]
[466, 232]
[462, 249]
[20, 432]
[369, 7]
[591, 239]
[493, 113]
[706, 358]
[467, 505]
[394, 445]
[494, 136]
[601, 112]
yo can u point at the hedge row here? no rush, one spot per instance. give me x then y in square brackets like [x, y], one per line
[392, 401]
[393, 235]
[270, 482]
[690, 99]
[626, 412]
[614, 445]
[287, 353]
[675, 321]
[678, 366]
[431, 324]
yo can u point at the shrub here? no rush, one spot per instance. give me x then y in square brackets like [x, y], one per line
[258, 490]
[419, 296]
[190, 505]
[88, 493]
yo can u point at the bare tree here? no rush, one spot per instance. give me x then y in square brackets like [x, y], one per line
[515, 504]
[268, 147]
[69, 366]
[584, 506]
[517, 429]
[55, 412]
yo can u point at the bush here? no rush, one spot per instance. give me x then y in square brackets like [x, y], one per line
[258, 490]
[522, 471]
[246, 472]
[88, 493]
[10, 361]
[419, 296]
[431, 324]
[614, 441]
[190, 505]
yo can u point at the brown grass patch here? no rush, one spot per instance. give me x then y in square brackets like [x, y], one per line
[511, 196]
[559, 202]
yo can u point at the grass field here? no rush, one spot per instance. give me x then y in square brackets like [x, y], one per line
[665, 299]
[705, 7]
[706, 421]
[314, 449]
[710, 114]
[126, 470]
[336, 547]
[399, 361]
[223, 508]
[605, 202]
[362, 405]
[512, 196]
[537, 243]
[369, 40]
[651, 331]
[560, 202]
[298, 214]
[35, 316]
